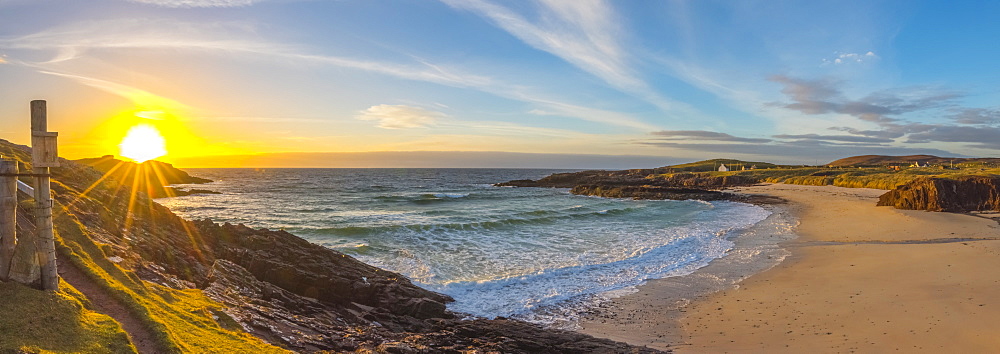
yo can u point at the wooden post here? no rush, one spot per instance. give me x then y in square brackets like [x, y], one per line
[44, 155]
[8, 215]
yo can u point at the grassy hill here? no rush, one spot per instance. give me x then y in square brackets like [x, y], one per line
[883, 160]
[713, 165]
[875, 173]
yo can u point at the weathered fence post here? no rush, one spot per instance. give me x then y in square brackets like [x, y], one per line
[44, 155]
[8, 214]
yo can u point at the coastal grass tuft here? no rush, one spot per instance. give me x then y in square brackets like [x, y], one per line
[36, 321]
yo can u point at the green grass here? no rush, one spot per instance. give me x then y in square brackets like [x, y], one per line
[874, 177]
[38, 321]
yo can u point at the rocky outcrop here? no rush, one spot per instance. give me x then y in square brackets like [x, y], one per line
[703, 181]
[572, 179]
[650, 192]
[644, 184]
[314, 271]
[638, 177]
[962, 194]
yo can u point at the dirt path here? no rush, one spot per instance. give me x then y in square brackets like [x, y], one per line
[105, 303]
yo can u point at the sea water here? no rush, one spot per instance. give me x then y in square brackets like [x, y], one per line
[539, 254]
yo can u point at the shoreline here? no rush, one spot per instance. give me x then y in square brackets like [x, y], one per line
[857, 278]
[628, 318]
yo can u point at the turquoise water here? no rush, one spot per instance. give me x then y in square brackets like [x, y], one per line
[533, 253]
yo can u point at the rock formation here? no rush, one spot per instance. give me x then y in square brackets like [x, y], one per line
[649, 192]
[962, 194]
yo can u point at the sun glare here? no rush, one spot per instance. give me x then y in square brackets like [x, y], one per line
[143, 142]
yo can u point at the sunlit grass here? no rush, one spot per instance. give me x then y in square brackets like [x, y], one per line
[40, 321]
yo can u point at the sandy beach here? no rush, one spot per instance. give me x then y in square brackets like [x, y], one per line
[858, 278]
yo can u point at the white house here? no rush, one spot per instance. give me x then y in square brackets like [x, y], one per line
[723, 168]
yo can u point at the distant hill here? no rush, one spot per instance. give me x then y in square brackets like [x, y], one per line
[882, 160]
[156, 176]
[713, 164]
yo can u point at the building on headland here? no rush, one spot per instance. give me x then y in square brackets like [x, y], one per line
[723, 168]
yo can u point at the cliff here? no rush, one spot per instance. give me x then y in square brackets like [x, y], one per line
[960, 194]
[198, 286]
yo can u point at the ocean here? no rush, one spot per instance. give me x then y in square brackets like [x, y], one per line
[538, 254]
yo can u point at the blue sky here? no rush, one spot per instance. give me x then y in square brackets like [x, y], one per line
[782, 81]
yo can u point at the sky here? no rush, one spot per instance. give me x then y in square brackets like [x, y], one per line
[780, 81]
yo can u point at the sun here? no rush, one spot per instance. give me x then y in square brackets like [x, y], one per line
[142, 143]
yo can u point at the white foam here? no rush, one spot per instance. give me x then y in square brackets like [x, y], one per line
[667, 252]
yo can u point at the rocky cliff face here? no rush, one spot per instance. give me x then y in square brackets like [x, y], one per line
[963, 194]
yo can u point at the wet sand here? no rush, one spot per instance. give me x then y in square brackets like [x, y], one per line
[859, 278]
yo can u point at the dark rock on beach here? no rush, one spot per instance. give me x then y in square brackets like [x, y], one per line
[962, 194]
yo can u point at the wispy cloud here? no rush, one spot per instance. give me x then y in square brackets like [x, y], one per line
[976, 116]
[583, 33]
[798, 151]
[141, 98]
[198, 3]
[843, 138]
[400, 116]
[580, 32]
[702, 135]
[72, 41]
[823, 96]
[978, 127]
[554, 108]
[851, 58]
